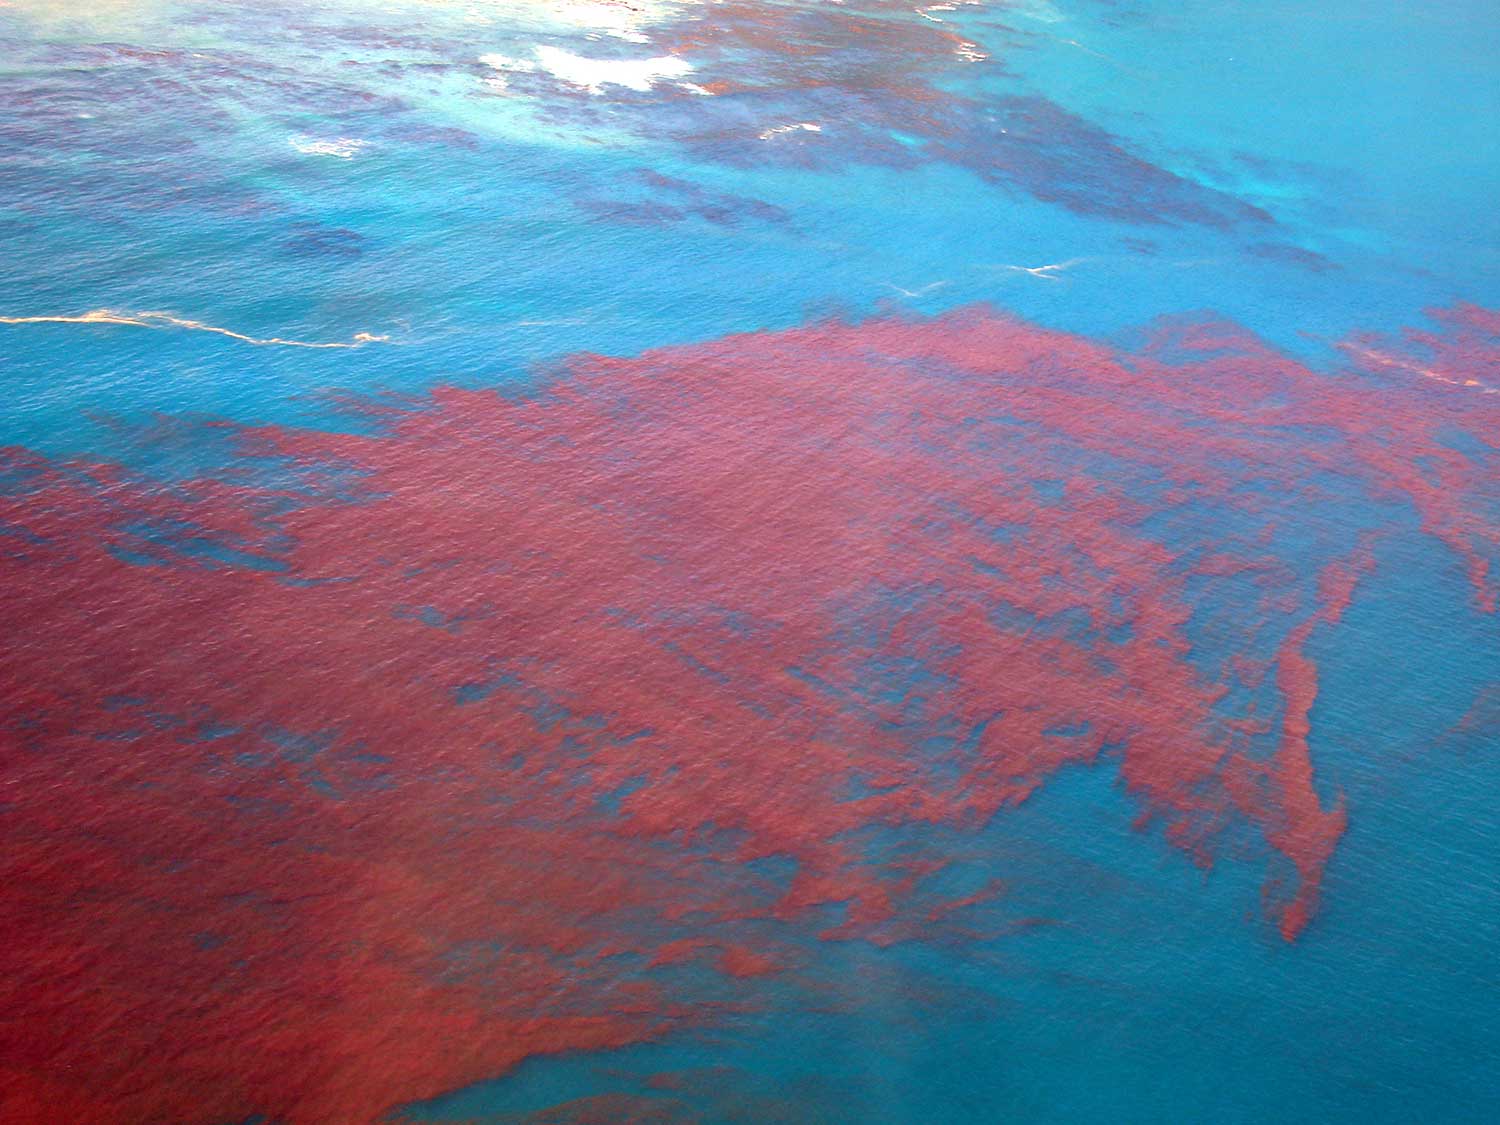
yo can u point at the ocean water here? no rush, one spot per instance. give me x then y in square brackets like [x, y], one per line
[750, 561]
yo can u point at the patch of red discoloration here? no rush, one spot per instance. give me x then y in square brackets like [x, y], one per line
[465, 756]
[739, 961]
[877, 83]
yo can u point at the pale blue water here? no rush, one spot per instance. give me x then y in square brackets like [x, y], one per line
[1366, 129]
[140, 184]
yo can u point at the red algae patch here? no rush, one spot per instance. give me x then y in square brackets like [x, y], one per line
[432, 749]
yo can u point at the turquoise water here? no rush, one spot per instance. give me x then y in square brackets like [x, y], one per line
[308, 172]
[173, 184]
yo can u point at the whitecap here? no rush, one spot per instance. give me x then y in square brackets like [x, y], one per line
[345, 148]
[594, 74]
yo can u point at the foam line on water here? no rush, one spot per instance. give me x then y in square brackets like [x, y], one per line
[167, 320]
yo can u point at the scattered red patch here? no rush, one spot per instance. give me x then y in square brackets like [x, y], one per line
[737, 961]
[473, 761]
[883, 84]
